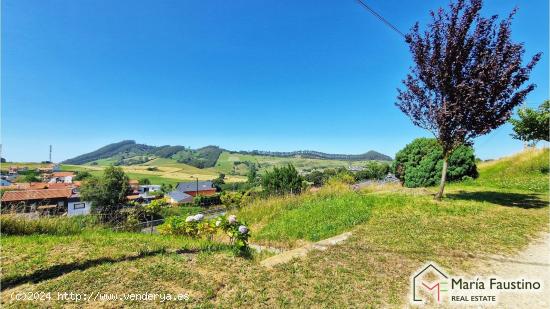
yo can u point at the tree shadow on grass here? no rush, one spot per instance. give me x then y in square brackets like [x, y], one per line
[62, 269]
[507, 199]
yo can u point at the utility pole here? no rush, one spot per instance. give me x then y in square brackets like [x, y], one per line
[50, 153]
[197, 191]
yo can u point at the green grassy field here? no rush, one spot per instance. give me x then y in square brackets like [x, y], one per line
[226, 163]
[167, 171]
[395, 230]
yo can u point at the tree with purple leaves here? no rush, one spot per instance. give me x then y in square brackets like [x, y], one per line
[467, 77]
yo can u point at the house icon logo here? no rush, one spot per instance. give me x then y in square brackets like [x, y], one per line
[428, 281]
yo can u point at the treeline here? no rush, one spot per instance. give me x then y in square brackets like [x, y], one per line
[372, 170]
[311, 154]
[202, 158]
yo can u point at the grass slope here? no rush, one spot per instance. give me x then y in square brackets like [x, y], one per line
[527, 170]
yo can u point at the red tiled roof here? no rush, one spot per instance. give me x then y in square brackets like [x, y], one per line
[13, 196]
[59, 185]
[62, 174]
[17, 186]
[38, 185]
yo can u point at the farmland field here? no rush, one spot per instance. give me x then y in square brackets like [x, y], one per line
[158, 171]
[233, 165]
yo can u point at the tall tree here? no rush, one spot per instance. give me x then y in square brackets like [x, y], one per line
[467, 77]
[107, 193]
[282, 180]
[533, 124]
[252, 173]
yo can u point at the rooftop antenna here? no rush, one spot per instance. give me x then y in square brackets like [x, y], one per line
[50, 153]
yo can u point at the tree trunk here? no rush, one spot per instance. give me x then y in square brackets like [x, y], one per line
[439, 194]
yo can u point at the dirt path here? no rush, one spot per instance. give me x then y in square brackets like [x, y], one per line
[532, 263]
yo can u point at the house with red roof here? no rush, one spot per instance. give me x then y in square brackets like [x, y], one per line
[64, 201]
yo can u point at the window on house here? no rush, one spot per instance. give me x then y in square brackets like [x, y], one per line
[79, 205]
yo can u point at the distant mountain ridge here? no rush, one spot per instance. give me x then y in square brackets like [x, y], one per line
[311, 154]
[128, 152]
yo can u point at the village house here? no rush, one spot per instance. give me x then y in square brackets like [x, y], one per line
[58, 177]
[134, 185]
[13, 170]
[45, 202]
[177, 197]
[146, 189]
[194, 188]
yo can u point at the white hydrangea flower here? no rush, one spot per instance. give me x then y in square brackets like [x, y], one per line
[243, 229]
[198, 217]
[232, 219]
[218, 223]
[190, 219]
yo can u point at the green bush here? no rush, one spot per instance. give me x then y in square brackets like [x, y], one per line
[154, 207]
[373, 170]
[236, 199]
[231, 199]
[282, 180]
[343, 177]
[419, 164]
[81, 175]
[17, 225]
[203, 200]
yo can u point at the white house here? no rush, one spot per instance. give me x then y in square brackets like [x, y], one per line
[76, 207]
[66, 177]
[145, 189]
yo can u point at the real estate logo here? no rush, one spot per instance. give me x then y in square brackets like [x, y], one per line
[430, 279]
[431, 284]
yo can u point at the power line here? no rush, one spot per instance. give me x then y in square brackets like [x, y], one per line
[382, 19]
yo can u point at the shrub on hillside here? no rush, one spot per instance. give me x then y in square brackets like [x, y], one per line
[203, 201]
[282, 180]
[343, 177]
[236, 199]
[231, 199]
[373, 170]
[81, 175]
[419, 164]
[198, 227]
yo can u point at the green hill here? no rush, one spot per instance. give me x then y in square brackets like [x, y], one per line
[128, 152]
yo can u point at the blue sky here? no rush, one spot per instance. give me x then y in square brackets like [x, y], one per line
[268, 75]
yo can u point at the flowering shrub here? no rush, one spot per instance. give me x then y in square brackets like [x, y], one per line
[179, 226]
[238, 233]
[197, 226]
